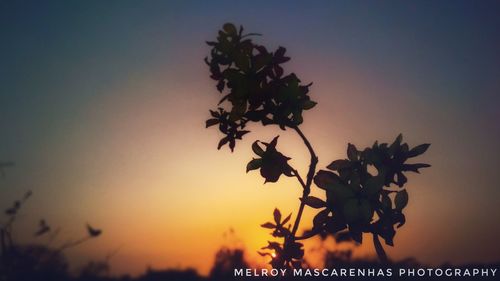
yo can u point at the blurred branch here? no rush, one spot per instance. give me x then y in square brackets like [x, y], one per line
[74, 243]
[379, 249]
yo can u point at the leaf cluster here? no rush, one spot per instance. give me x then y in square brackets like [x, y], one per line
[358, 200]
[287, 254]
[253, 85]
[271, 162]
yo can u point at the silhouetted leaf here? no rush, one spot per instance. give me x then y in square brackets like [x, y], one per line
[272, 246]
[211, 122]
[320, 218]
[222, 142]
[314, 202]
[386, 201]
[277, 216]
[273, 143]
[339, 164]
[280, 52]
[286, 219]
[308, 104]
[401, 179]
[418, 150]
[42, 228]
[214, 114]
[257, 149]
[401, 199]
[395, 145]
[337, 192]
[325, 178]
[264, 254]
[232, 143]
[93, 232]
[268, 225]
[388, 233]
[274, 164]
[220, 87]
[254, 164]
[240, 134]
[278, 70]
[352, 152]
[229, 28]
[414, 167]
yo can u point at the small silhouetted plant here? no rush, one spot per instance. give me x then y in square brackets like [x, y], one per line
[43, 228]
[34, 261]
[255, 88]
[95, 270]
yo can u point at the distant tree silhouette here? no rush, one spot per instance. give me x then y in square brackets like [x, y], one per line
[255, 88]
[226, 260]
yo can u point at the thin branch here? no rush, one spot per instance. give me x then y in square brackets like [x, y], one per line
[310, 176]
[309, 234]
[314, 158]
[379, 249]
[53, 236]
[299, 178]
[72, 244]
[297, 219]
[113, 253]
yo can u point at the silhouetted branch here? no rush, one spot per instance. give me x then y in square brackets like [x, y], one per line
[299, 178]
[72, 244]
[309, 234]
[379, 249]
[310, 176]
[314, 158]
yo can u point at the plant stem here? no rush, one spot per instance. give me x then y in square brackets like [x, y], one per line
[379, 249]
[299, 178]
[72, 244]
[314, 158]
[308, 235]
[310, 176]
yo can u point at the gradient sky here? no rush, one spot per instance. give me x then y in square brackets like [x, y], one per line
[103, 103]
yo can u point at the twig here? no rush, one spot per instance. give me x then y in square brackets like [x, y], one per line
[308, 235]
[379, 249]
[307, 185]
[299, 178]
[72, 244]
